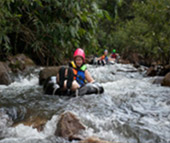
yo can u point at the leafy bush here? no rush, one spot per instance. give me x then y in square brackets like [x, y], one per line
[48, 30]
[146, 33]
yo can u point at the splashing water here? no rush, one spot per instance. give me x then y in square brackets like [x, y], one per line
[132, 109]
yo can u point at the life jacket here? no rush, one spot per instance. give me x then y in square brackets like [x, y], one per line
[113, 56]
[104, 58]
[79, 73]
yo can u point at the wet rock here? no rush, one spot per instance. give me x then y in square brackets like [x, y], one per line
[76, 138]
[167, 68]
[39, 124]
[20, 62]
[151, 72]
[134, 58]
[164, 70]
[158, 70]
[142, 69]
[122, 61]
[35, 122]
[89, 59]
[93, 140]
[68, 126]
[4, 74]
[47, 72]
[5, 120]
[136, 65]
[158, 80]
[125, 70]
[166, 80]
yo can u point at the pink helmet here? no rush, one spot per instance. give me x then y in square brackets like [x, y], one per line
[79, 52]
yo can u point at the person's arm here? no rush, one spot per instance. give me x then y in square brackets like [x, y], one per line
[88, 77]
[99, 58]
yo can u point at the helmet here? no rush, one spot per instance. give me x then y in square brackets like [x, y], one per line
[79, 52]
[105, 50]
[114, 50]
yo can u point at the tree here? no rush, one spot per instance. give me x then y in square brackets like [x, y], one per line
[50, 29]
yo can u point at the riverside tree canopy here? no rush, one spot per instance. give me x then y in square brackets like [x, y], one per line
[50, 30]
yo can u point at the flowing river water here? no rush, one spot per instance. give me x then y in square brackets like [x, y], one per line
[131, 110]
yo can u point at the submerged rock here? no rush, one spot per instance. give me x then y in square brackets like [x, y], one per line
[158, 80]
[68, 126]
[166, 80]
[93, 140]
[4, 74]
[35, 122]
[47, 72]
[5, 120]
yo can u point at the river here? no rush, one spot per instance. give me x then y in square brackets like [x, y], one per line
[131, 110]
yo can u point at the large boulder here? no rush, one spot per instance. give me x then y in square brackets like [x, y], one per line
[19, 62]
[159, 70]
[166, 80]
[4, 74]
[93, 140]
[68, 126]
[47, 72]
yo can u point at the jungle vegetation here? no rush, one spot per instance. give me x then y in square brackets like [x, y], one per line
[50, 30]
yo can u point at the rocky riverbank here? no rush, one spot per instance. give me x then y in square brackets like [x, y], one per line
[20, 63]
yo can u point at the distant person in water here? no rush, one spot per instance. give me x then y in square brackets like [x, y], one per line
[114, 56]
[104, 59]
[76, 75]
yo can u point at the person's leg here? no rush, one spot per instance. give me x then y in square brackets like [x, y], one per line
[65, 79]
[70, 76]
[61, 76]
[75, 85]
[103, 62]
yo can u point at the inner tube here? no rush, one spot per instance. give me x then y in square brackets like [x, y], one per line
[51, 87]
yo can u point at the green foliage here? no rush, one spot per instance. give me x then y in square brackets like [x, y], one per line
[7, 22]
[153, 38]
[144, 29]
[50, 30]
